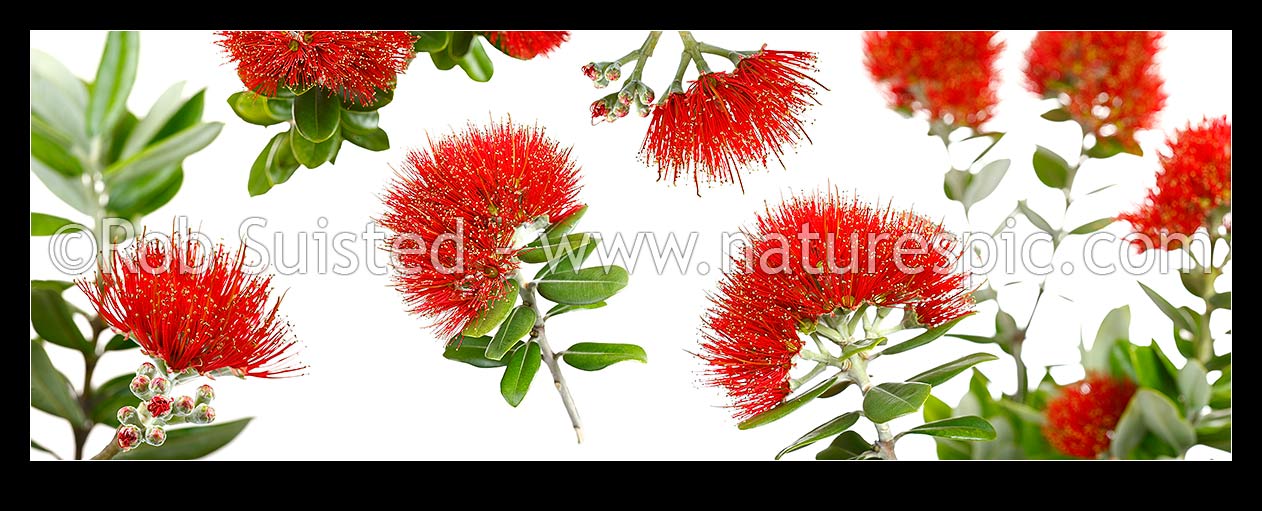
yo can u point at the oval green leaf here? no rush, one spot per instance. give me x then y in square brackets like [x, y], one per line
[47, 225]
[567, 225]
[311, 154]
[107, 99]
[984, 182]
[847, 446]
[585, 286]
[109, 397]
[563, 308]
[274, 165]
[944, 372]
[53, 321]
[141, 194]
[493, 315]
[1051, 169]
[430, 41]
[375, 140]
[594, 356]
[254, 109]
[317, 115]
[472, 351]
[1056, 115]
[189, 443]
[476, 64]
[519, 323]
[836, 425]
[924, 338]
[518, 374]
[889, 401]
[1092, 226]
[1163, 419]
[968, 427]
[1194, 387]
[786, 407]
[50, 390]
[166, 153]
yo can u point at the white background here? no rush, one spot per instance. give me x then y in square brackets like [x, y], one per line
[378, 386]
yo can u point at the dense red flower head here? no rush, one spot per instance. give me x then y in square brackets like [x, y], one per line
[526, 45]
[1081, 419]
[808, 258]
[950, 76]
[195, 309]
[729, 120]
[1194, 180]
[1108, 81]
[480, 191]
[355, 64]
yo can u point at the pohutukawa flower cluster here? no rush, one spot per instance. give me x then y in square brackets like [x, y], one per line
[724, 121]
[1106, 81]
[465, 216]
[1080, 420]
[816, 269]
[948, 76]
[195, 312]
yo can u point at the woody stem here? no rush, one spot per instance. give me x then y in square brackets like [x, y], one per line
[538, 335]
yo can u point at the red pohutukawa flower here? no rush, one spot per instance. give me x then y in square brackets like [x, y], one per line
[1081, 419]
[950, 76]
[195, 309]
[1194, 180]
[1108, 81]
[729, 120]
[355, 64]
[461, 211]
[808, 258]
[526, 45]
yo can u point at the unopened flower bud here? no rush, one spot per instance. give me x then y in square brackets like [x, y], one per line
[128, 437]
[140, 387]
[613, 72]
[646, 94]
[643, 110]
[128, 415]
[203, 414]
[599, 108]
[156, 436]
[159, 407]
[591, 72]
[147, 369]
[183, 405]
[621, 109]
[205, 394]
[600, 83]
[160, 386]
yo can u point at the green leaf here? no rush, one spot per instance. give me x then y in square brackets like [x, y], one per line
[476, 63]
[1163, 419]
[847, 446]
[109, 397]
[53, 150]
[166, 106]
[1057, 115]
[955, 182]
[311, 154]
[141, 194]
[563, 308]
[944, 372]
[519, 372]
[567, 225]
[995, 137]
[442, 60]
[48, 225]
[50, 390]
[375, 140]
[69, 190]
[380, 98]
[968, 427]
[984, 182]
[52, 319]
[979, 339]
[594, 356]
[360, 122]
[1035, 218]
[519, 323]
[492, 316]
[169, 152]
[787, 407]
[1221, 300]
[836, 425]
[189, 114]
[273, 166]
[189, 443]
[58, 97]
[837, 388]
[1092, 226]
[924, 338]
[317, 115]
[860, 346]
[1215, 432]
[254, 109]
[1106, 147]
[107, 99]
[889, 401]
[1194, 387]
[1154, 370]
[120, 343]
[547, 247]
[430, 41]
[1169, 310]
[567, 256]
[1115, 327]
[1050, 168]
[585, 286]
[1129, 431]
[936, 409]
[472, 351]
[459, 44]
[55, 285]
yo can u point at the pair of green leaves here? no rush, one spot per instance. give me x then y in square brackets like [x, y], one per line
[969, 188]
[319, 122]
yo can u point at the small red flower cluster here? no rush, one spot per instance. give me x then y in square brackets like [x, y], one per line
[526, 45]
[1081, 419]
[1109, 80]
[809, 258]
[950, 76]
[455, 212]
[1195, 179]
[195, 310]
[728, 120]
[355, 64]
